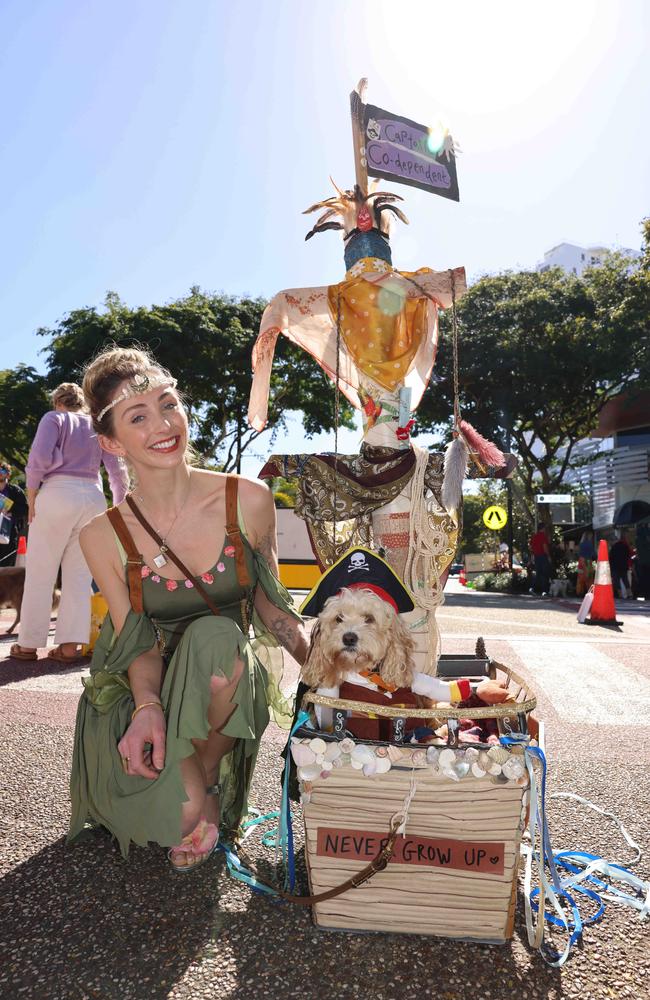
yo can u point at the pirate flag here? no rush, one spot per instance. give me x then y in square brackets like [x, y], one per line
[358, 568]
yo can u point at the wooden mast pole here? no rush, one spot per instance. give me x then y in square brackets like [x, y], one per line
[358, 138]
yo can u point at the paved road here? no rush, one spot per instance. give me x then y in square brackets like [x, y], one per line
[82, 923]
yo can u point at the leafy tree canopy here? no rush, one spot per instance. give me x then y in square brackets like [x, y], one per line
[540, 355]
[205, 340]
[23, 401]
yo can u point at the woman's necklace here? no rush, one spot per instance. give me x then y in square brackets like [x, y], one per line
[159, 561]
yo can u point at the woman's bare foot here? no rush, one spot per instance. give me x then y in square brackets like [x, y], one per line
[198, 845]
[196, 848]
[70, 648]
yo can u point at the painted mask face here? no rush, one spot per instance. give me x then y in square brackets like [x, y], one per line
[364, 219]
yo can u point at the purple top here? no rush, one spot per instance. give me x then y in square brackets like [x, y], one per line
[65, 444]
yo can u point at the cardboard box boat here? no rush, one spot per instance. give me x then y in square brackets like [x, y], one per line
[454, 872]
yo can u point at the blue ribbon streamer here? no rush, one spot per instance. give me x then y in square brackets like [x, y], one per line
[286, 829]
[573, 923]
[281, 838]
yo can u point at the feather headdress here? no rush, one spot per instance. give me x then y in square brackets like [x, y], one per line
[352, 210]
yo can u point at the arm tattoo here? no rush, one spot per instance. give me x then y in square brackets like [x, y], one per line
[286, 631]
[267, 546]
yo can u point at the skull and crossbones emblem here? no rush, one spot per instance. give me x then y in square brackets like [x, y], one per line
[373, 129]
[358, 561]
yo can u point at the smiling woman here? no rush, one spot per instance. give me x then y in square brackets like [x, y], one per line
[170, 721]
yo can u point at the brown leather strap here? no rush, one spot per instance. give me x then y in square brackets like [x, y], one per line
[233, 530]
[134, 561]
[172, 555]
[377, 864]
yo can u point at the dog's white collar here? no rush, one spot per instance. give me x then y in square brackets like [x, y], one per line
[352, 677]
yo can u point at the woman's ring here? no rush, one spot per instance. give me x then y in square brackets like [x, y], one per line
[125, 764]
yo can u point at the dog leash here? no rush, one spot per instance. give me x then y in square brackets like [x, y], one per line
[242, 869]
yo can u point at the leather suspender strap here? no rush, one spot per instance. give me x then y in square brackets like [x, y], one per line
[134, 561]
[233, 530]
[174, 558]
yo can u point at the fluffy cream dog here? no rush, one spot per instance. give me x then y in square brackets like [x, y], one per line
[357, 630]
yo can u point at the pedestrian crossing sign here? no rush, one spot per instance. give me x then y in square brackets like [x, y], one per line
[495, 517]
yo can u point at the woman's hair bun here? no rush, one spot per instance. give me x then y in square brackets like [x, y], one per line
[105, 373]
[68, 394]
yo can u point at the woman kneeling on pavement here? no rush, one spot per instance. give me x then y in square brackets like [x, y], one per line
[170, 722]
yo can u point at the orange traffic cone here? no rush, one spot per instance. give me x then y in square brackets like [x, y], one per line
[21, 551]
[603, 609]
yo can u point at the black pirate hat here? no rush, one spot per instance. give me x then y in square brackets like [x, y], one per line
[358, 568]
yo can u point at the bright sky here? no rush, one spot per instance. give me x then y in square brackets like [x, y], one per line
[149, 145]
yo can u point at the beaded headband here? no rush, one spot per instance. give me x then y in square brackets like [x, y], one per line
[140, 383]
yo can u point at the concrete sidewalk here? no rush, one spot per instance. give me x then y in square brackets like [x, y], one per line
[82, 923]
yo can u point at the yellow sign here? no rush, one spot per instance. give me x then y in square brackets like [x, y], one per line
[494, 518]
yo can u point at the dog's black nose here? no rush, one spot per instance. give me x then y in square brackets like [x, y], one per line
[349, 638]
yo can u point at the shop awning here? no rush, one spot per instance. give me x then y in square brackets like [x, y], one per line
[631, 512]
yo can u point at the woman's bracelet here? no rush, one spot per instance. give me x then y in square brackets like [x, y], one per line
[146, 704]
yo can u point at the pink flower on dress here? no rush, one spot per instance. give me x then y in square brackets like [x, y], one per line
[171, 584]
[207, 577]
[155, 578]
[189, 584]
[221, 568]
[229, 550]
[145, 572]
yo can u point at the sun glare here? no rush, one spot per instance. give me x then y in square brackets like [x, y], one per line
[510, 65]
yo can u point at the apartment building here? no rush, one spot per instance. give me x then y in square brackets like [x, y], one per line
[575, 259]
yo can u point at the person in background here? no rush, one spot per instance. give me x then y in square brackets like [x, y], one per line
[586, 559]
[503, 560]
[620, 560]
[540, 548]
[64, 491]
[14, 519]
[642, 561]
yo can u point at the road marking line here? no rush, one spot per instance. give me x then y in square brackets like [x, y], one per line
[561, 640]
[511, 623]
[514, 623]
[585, 686]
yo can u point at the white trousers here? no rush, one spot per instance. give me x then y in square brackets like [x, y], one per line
[63, 505]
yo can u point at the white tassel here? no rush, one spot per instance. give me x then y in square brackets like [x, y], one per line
[456, 458]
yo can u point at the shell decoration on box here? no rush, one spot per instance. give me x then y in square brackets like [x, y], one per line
[316, 758]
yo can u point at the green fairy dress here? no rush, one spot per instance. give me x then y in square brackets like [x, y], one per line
[195, 645]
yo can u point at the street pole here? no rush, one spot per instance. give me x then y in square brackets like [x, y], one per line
[510, 531]
[509, 490]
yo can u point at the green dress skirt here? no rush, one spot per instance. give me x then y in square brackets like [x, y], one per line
[195, 645]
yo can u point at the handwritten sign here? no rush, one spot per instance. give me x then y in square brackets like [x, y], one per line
[400, 150]
[460, 855]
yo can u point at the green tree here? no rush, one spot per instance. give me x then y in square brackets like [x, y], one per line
[23, 401]
[205, 340]
[284, 491]
[540, 355]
